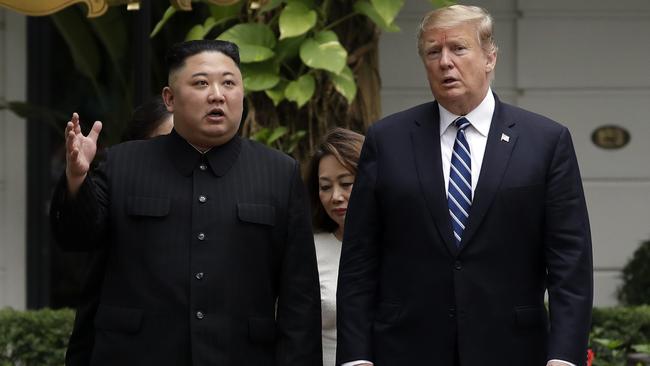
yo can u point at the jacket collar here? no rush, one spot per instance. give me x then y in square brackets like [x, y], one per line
[219, 159]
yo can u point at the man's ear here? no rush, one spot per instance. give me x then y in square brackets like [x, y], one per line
[491, 61]
[168, 98]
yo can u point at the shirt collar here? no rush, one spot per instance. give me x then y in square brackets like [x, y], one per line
[480, 117]
[186, 157]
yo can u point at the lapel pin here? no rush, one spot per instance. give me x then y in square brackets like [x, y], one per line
[505, 137]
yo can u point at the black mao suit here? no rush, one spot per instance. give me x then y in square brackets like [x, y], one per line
[210, 257]
[408, 295]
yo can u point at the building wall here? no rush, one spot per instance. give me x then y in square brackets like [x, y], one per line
[584, 63]
[13, 162]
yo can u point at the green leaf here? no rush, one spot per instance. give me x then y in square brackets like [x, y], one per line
[262, 135]
[344, 84]
[296, 19]
[196, 32]
[365, 8]
[324, 52]
[277, 92]
[271, 5]
[165, 18]
[294, 140]
[260, 76]
[288, 48]
[643, 348]
[387, 9]
[301, 90]
[220, 12]
[277, 133]
[255, 41]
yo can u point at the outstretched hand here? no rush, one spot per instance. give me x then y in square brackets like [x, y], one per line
[80, 151]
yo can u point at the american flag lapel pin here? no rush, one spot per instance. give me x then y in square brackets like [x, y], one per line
[505, 137]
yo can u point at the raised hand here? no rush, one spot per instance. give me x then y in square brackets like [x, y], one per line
[80, 151]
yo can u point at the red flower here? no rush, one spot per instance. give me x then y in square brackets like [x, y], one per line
[590, 357]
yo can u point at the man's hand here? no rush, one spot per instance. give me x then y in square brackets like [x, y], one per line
[79, 152]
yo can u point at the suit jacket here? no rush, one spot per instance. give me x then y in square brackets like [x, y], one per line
[210, 258]
[407, 294]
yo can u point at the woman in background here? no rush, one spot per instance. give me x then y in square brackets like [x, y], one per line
[331, 174]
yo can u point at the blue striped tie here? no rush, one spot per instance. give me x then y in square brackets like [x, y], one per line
[459, 193]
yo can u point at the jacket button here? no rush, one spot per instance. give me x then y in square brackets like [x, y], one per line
[200, 315]
[202, 198]
[201, 236]
[457, 265]
[452, 312]
[203, 167]
[199, 275]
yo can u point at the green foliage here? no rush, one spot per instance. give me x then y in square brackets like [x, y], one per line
[34, 338]
[279, 138]
[618, 331]
[636, 278]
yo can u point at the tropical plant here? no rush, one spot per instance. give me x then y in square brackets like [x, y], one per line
[635, 289]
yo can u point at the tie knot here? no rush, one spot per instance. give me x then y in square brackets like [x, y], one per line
[461, 123]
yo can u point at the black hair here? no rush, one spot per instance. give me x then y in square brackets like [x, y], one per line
[179, 52]
[345, 145]
[146, 119]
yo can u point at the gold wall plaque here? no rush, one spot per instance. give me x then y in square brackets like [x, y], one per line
[610, 137]
[47, 7]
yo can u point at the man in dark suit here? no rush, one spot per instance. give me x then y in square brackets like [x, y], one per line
[210, 252]
[463, 213]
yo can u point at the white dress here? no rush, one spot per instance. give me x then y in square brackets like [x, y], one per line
[328, 254]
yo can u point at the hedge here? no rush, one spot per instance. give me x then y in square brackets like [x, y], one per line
[39, 337]
[35, 337]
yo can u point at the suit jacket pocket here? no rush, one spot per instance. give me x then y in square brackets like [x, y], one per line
[256, 213]
[388, 313]
[261, 330]
[126, 320]
[530, 316]
[147, 206]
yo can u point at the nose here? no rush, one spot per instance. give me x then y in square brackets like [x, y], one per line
[445, 59]
[337, 195]
[215, 94]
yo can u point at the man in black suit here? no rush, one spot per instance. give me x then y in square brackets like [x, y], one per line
[463, 213]
[210, 252]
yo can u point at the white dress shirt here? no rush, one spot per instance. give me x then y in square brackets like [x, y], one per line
[476, 134]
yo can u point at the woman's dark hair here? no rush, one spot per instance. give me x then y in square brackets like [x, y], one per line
[345, 146]
[146, 119]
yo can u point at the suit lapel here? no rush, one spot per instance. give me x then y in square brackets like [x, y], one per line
[500, 144]
[425, 136]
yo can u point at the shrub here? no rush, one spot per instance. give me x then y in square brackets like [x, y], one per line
[618, 331]
[636, 278]
[35, 337]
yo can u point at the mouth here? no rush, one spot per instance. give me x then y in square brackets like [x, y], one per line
[449, 81]
[340, 211]
[216, 113]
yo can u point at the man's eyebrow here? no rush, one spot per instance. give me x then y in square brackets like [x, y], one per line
[225, 73]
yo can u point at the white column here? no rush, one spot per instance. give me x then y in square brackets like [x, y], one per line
[13, 162]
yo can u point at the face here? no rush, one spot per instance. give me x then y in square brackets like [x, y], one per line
[334, 187]
[164, 128]
[457, 67]
[206, 98]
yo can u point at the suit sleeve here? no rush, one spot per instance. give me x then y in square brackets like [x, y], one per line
[358, 271]
[79, 223]
[298, 309]
[568, 256]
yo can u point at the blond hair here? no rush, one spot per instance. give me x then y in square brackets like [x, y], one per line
[455, 15]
